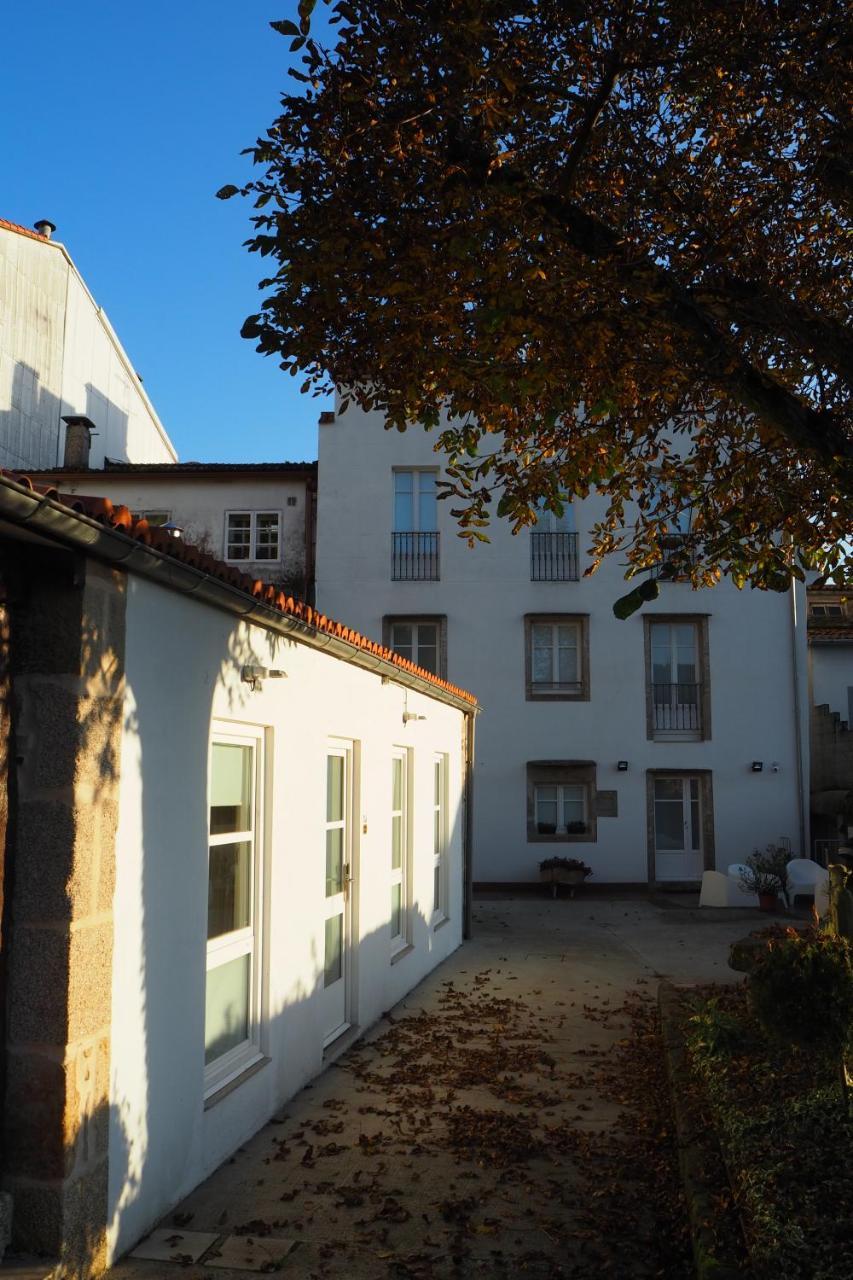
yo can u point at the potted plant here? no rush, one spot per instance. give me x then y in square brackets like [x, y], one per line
[575, 828]
[766, 875]
[546, 828]
[570, 871]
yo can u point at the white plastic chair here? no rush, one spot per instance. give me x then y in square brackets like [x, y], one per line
[721, 890]
[804, 875]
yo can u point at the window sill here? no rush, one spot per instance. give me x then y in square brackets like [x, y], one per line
[581, 696]
[402, 952]
[220, 1091]
[588, 837]
[678, 735]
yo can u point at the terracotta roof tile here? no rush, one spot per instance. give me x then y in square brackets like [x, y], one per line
[24, 231]
[118, 517]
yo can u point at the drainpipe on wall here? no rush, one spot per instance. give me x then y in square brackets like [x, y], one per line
[798, 726]
[467, 833]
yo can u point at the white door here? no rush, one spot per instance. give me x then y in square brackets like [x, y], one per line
[678, 828]
[337, 897]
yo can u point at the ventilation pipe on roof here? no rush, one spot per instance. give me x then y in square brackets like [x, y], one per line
[45, 228]
[78, 441]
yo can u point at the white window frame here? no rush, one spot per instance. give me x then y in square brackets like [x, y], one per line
[547, 521]
[146, 513]
[441, 835]
[550, 689]
[416, 525]
[247, 941]
[561, 788]
[253, 557]
[401, 875]
[416, 621]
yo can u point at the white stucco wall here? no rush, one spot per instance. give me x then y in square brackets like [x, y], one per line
[832, 677]
[183, 664]
[59, 356]
[485, 593]
[198, 502]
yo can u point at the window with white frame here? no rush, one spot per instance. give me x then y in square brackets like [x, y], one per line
[440, 836]
[421, 640]
[252, 535]
[415, 501]
[556, 656]
[155, 517]
[561, 801]
[560, 806]
[548, 521]
[399, 850]
[232, 1019]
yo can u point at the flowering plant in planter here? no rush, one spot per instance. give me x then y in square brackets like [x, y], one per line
[571, 871]
[766, 874]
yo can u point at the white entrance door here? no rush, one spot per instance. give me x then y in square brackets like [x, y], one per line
[337, 899]
[678, 828]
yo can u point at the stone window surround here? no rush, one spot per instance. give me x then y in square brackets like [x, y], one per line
[436, 619]
[706, 801]
[582, 621]
[578, 772]
[700, 621]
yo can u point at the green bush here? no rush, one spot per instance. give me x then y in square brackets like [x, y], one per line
[802, 992]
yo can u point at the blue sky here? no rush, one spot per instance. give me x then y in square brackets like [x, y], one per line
[119, 123]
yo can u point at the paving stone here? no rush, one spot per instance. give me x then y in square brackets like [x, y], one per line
[167, 1244]
[250, 1253]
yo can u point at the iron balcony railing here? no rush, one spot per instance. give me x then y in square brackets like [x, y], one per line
[677, 707]
[554, 557]
[414, 557]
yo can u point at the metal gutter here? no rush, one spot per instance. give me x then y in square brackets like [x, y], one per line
[37, 512]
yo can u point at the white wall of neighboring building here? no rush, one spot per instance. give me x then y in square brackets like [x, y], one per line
[183, 665]
[59, 356]
[485, 593]
[832, 677]
[200, 501]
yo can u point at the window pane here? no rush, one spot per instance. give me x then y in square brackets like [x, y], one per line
[427, 635]
[239, 536]
[334, 959]
[334, 789]
[403, 502]
[426, 501]
[546, 805]
[334, 861]
[567, 654]
[230, 788]
[226, 1007]
[266, 535]
[396, 842]
[396, 910]
[573, 803]
[436, 890]
[668, 789]
[229, 887]
[661, 653]
[669, 825]
[543, 654]
[401, 639]
[396, 784]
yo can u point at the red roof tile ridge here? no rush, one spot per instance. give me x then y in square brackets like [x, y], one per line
[118, 516]
[24, 231]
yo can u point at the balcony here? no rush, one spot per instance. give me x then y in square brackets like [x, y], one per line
[677, 710]
[554, 557]
[414, 557]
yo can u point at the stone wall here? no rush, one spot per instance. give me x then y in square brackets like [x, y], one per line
[67, 662]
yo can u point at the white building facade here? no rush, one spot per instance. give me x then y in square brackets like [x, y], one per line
[253, 824]
[652, 748]
[256, 516]
[60, 357]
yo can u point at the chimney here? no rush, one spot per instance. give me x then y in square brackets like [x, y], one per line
[45, 228]
[78, 441]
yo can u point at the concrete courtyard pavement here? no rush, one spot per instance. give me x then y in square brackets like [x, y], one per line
[485, 1126]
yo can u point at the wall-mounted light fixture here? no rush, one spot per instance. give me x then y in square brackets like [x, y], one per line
[255, 676]
[172, 529]
[757, 766]
[411, 715]
[622, 766]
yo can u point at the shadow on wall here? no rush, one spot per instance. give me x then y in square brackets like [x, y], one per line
[157, 1141]
[31, 428]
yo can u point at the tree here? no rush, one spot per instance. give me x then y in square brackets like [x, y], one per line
[598, 246]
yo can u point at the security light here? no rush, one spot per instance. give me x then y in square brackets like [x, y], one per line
[757, 766]
[622, 766]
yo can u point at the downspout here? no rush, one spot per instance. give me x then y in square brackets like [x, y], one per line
[798, 727]
[468, 832]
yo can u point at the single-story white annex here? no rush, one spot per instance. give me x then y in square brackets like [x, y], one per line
[238, 833]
